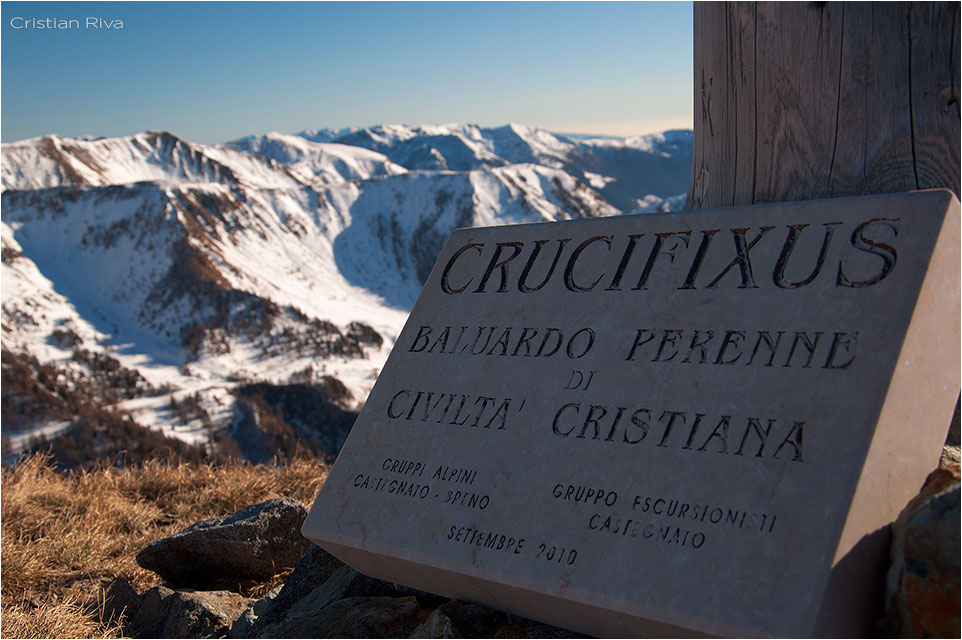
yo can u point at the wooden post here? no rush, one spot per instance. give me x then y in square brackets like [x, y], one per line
[804, 100]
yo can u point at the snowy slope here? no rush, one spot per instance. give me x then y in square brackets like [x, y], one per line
[328, 163]
[625, 171]
[205, 272]
[52, 161]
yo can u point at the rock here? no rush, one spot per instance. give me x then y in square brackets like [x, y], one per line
[120, 601]
[203, 610]
[254, 543]
[426, 599]
[345, 582]
[456, 619]
[243, 626]
[165, 613]
[324, 597]
[358, 617]
[318, 580]
[313, 604]
[436, 625]
[950, 455]
[922, 586]
[314, 569]
[154, 612]
[473, 620]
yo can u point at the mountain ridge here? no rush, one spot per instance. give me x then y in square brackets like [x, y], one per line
[272, 259]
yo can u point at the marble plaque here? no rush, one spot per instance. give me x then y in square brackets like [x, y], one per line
[677, 424]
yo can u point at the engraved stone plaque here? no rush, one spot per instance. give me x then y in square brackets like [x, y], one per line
[674, 424]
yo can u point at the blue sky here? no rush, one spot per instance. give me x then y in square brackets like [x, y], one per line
[215, 71]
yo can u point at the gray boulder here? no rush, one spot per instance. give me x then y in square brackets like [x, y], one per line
[165, 613]
[244, 625]
[358, 617]
[254, 543]
[456, 619]
[466, 620]
[300, 600]
[120, 602]
[321, 584]
[315, 567]
[922, 587]
[436, 625]
[950, 455]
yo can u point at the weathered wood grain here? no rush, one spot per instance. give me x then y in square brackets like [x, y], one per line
[795, 101]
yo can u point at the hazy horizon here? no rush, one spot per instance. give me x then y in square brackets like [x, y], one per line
[214, 72]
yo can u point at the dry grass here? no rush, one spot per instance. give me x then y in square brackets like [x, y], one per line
[66, 536]
[66, 619]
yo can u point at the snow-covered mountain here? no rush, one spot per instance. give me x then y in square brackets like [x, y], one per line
[623, 170]
[317, 162]
[211, 292]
